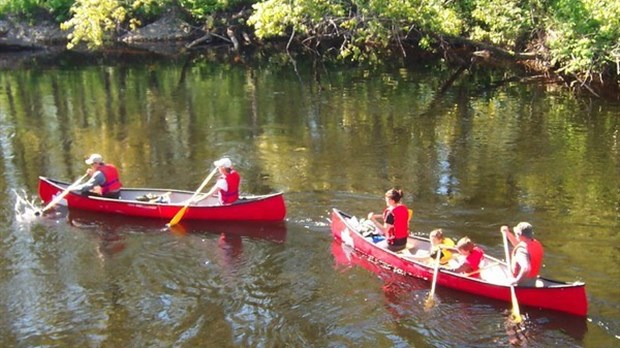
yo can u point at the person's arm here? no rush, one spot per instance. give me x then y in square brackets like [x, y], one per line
[214, 190]
[97, 179]
[449, 248]
[521, 259]
[220, 184]
[511, 237]
[373, 217]
[464, 267]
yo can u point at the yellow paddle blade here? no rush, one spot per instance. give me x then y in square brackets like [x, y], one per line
[516, 315]
[175, 220]
[429, 303]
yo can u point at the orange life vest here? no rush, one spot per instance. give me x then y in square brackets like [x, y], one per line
[112, 181]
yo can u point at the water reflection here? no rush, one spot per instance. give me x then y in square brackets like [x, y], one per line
[467, 161]
[229, 231]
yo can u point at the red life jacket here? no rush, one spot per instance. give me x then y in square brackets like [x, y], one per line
[400, 228]
[232, 194]
[474, 258]
[112, 181]
[535, 254]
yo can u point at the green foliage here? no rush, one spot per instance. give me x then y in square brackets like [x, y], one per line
[584, 36]
[20, 7]
[59, 9]
[203, 8]
[366, 26]
[499, 22]
[273, 17]
[92, 20]
[149, 9]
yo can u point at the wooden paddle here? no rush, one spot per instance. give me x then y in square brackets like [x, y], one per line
[516, 315]
[481, 269]
[175, 220]
[430, 301]
[58, 198]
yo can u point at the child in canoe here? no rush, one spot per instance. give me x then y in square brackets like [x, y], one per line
[473, 255]
[441, 244]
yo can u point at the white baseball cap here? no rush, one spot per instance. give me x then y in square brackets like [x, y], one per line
[223, 162]
[524, 228]
[94, 158]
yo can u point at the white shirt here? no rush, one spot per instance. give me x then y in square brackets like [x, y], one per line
[221, 184]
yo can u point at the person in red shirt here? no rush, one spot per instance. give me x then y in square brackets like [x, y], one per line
[527, 255]
[395, 217]
[473, 255]
[104, 179]
[227, 185]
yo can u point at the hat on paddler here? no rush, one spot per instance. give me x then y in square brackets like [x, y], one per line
[525, 229]
[223, 162]
[94, 158]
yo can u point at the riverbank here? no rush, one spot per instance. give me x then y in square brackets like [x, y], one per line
[43, 43]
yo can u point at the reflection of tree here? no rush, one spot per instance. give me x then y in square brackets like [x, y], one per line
[359, 131]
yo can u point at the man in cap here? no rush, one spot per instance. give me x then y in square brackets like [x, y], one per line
[227, 185]
[104, 179]
[527, 254]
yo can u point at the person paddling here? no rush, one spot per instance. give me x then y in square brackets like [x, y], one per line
[473, 256]
[527, 255]
[227, 185]
[395, 217]
[104, 179]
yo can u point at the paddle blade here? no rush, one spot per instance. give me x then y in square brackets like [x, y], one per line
[175, 220]
[430, 302]
[516, 315]
[64, 194]
[178, 230]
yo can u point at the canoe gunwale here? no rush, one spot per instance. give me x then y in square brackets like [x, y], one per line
[269, 207]
[242, 199]
[567, 297]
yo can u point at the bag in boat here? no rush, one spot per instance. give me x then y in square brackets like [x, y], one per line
[367, 229]
[151, 198]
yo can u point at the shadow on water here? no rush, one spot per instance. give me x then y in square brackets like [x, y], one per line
[111, 228]
[272, 231]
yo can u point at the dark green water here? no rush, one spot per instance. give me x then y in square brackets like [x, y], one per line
[469, 161]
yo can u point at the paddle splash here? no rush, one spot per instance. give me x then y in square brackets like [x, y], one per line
[25, 209]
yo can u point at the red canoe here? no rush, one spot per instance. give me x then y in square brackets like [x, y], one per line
[248, 208]
[492, 281]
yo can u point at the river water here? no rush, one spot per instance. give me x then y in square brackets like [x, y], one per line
[469, 160]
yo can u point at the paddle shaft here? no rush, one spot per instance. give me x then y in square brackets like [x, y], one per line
[513, 296]
[179, 215]
[435, 274]
[64, 193]
[481, 269]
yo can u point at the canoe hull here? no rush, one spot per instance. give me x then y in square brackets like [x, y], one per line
[559, 296]
[251, 208]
